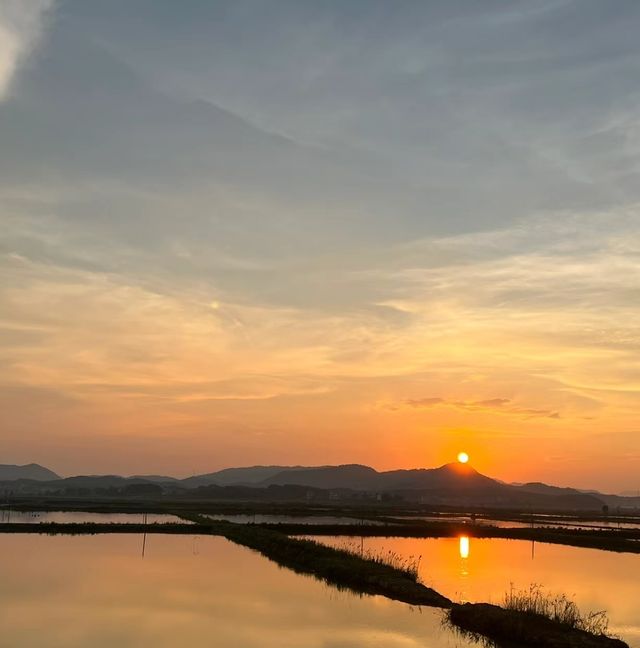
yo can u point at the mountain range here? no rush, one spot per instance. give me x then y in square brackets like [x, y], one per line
[453, 483]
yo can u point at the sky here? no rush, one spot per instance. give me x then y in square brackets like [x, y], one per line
[239, 232]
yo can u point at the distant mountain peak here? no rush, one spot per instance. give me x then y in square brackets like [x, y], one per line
[459, 468]
[12, 472]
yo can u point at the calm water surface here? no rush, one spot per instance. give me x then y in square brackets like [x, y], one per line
[472, 569]
[98, 591]
[290, 519]
[7, 515]
[539, 522]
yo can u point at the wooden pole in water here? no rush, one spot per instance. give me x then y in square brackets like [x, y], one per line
[144, 535]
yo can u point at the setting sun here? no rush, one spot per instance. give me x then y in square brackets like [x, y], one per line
[245, 279]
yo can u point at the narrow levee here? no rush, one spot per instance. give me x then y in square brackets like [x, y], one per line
[337, 567]
[361, 574]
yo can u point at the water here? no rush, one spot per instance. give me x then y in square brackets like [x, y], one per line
[587, 526]
[465, 520]
[79, 591]
[538, 522]
[290, 519]
[81, 516]
[483, 570]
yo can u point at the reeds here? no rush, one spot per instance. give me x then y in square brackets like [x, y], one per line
[409, 565]
[348, 569]
[556, 607]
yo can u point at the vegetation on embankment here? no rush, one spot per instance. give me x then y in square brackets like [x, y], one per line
[534, 617]
[345, 569]
[337, 567]
[95, 528]
[620, 540]
[385, 512]
[556, 607]
[410, 564]
[507, 627]
[615, 540]
[606, 540]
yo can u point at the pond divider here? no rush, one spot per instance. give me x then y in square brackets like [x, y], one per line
[490, 624]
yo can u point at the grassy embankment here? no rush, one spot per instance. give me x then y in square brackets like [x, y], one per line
[620, 541]
[533, 618]
[367, 574]
[341, 568]
[624, 540]
[535, 621]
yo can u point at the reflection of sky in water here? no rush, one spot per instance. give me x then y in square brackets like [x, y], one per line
[539, 521]
[7, 515]
[78, 591]
[289, 519]
[476, 569]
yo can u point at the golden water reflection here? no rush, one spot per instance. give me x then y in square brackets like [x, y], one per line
[78, 591]
[480, 569]
[464, 546]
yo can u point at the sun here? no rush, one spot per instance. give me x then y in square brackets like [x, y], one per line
[463, 457]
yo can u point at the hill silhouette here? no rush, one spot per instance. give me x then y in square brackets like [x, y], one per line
[238, 476]
[450, 484]
[9, 472]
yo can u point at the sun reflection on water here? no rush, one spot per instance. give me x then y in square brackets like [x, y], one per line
[464, 546]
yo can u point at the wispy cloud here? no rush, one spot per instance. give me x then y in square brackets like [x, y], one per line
[21, 24]
[500, 405]
[169, 262]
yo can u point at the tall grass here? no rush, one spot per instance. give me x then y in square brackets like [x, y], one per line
[409, 565]
[556, 607]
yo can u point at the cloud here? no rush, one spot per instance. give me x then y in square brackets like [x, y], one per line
[500, 405]
[425, 402]
[21, 26]
[492, 402]
[450, 208]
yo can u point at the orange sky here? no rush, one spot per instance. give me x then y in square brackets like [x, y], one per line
[129, 381]
[234, 237]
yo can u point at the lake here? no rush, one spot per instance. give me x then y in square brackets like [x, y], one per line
[472, 569]
[98, 591]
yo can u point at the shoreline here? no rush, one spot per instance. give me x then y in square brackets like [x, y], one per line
[346, 570]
